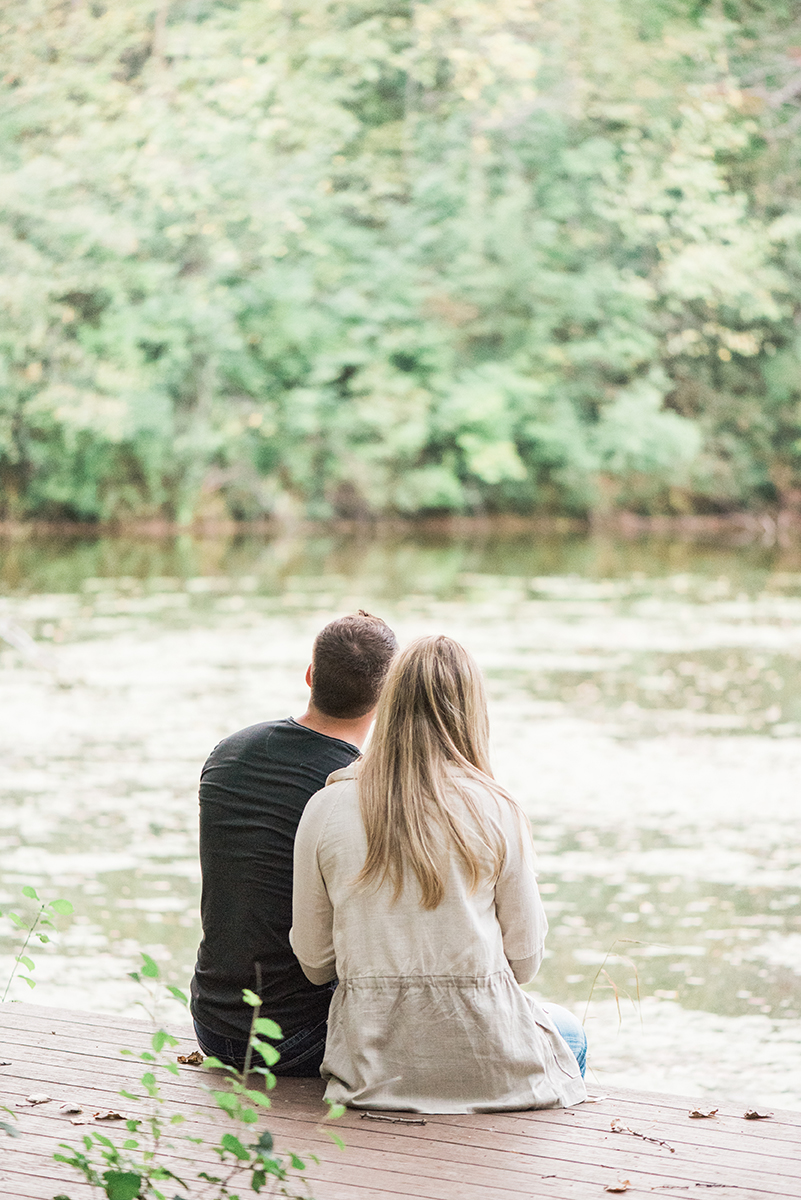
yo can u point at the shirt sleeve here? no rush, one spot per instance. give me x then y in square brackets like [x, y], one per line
[517, 900]
[312, 933]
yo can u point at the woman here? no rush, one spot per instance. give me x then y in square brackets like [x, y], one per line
[414, 884]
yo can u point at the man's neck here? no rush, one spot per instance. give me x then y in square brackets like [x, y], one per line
[354, 730]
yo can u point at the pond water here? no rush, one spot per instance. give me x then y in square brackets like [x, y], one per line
[646, 712]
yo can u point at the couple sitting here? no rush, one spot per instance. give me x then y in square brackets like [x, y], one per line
[416, 913]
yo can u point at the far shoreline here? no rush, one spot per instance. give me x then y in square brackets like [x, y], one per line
[768, 527]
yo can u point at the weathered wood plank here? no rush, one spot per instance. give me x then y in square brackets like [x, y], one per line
[441, 1140]
[565, 1154]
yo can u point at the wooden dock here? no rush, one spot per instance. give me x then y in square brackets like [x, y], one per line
[563, 1154]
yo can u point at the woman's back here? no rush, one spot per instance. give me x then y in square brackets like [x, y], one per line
[376, 934]
[427, 1015]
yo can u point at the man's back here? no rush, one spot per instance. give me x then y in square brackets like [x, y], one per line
[253, 789]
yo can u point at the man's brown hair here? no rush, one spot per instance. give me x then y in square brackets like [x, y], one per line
[350, 659]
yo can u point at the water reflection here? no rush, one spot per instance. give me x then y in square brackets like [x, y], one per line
[646, 711]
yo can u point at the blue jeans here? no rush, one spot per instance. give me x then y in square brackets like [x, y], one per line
[571, 1031]
[301, 1054]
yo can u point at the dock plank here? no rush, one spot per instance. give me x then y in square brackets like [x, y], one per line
[557, 1154]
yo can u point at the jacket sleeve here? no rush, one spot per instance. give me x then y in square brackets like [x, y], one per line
[517, 899]
[312, 932]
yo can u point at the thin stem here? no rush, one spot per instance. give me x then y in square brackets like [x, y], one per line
[15, 967]
[252, 1034]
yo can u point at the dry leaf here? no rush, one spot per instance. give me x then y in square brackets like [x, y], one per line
[195, 1059]
[80, 1120]
[34, 1098]
[595, 1099]
[5, 1062]
[702, 1112]
[753, 1114]
[108, 1114]
[70, 1106]
[622, 1185]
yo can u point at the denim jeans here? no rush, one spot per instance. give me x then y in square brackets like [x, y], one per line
[571, 1031]
[301, 1054]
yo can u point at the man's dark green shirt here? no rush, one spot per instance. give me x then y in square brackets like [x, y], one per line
[253, 789]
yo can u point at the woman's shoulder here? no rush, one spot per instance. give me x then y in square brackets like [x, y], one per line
[346, 775]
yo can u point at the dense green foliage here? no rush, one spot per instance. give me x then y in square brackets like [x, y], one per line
[362, 256]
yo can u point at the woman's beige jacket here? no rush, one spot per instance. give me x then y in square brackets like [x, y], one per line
[428, 1015]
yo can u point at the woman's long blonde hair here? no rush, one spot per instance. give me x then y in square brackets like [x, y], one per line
[431, 738]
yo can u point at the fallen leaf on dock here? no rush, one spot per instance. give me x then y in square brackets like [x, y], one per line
[754, 1114]
[595, 1099]
[702, 1112]
[622, 1185]
[195, 1059]
[5, 1062]
[617, 1126]
[108, 1114]
[34, 1098]
[70, 1106]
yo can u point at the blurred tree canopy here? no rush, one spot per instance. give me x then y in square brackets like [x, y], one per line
[356, 257]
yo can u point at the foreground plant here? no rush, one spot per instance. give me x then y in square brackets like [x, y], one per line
[146, 1163]
[36, 929]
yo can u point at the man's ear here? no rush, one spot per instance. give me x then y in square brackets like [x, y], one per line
[308, 675]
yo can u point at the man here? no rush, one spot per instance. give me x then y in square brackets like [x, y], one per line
[253, 789]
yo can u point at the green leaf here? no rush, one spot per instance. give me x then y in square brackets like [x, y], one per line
[18, 921]
[265, 1142]
[251, 998]
[29, 892]
[226, 1101]
[268, 1052]
[214, 1063]
[171, 1067]
[232, 1144]
[297, 1163]
[130, 1144]
[130, 1095]
[122, 1185]
[30, 982]
[149, 967]
[335, 1111]
[267, 1027]
[42, 936]
[161, 1039]
[63, 907]
[177, 994]
[9, 1129]
[336, 1139]
[177, 1119]
[146, 1056]
[26, 962]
